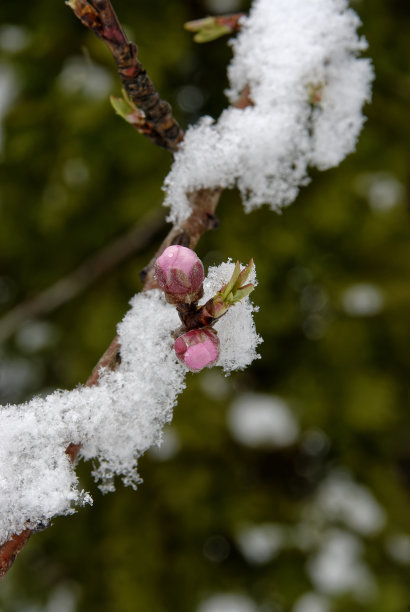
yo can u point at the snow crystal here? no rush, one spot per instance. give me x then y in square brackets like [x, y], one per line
[115, 421]
[307, 87]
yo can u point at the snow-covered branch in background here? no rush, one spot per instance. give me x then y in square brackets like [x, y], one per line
[115, 421]
[307, 87]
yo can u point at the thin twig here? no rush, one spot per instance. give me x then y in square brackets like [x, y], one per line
[155, 115]
[82, 277]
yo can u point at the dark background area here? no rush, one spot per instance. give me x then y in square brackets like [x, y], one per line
[315, 523]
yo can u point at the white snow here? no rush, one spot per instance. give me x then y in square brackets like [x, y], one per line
[80, 75]
[383, 190]
[236, 329]
[342, 499]
[398, 547]
[338, 566]
[312, 602]
[259, 544]
[228, 602]
[9, 89]
[262, 420]
[115, 421]
[363, 300]
[307, 86]
[13, 38]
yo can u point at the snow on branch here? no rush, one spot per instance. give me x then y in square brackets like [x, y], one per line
[307, 85]
[114, 421]
[297, 72]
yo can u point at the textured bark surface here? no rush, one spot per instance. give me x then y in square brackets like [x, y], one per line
[155, 115]
[9, 550]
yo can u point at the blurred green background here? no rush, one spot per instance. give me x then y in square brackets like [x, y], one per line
[282, 488]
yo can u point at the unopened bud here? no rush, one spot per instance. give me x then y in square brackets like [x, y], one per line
[198, 348]
[180, 274]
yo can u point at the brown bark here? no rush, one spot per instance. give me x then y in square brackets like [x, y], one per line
[157, 121]
[88, 272]
[10, 550]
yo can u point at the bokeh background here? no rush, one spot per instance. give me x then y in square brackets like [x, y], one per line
[282, 488]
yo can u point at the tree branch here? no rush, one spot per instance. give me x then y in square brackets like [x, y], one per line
[93, 268]
[155, 119]
[9, 550]
[162, 129]
[202, 218]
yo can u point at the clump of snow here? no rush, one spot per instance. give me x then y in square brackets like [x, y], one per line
[169, 446]
[13, 38]
[398, 547]
[338, 566]
[307, 85]
[339, 498]
[260, 544]
[312, 602]
[82, 76]
[9, 89]
[363, 300]
[236, 329]
[228, 602]
[261, 420]
[115, 421]
[383, 190]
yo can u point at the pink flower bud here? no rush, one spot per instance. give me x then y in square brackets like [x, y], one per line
[180, 274]
[198, 348]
